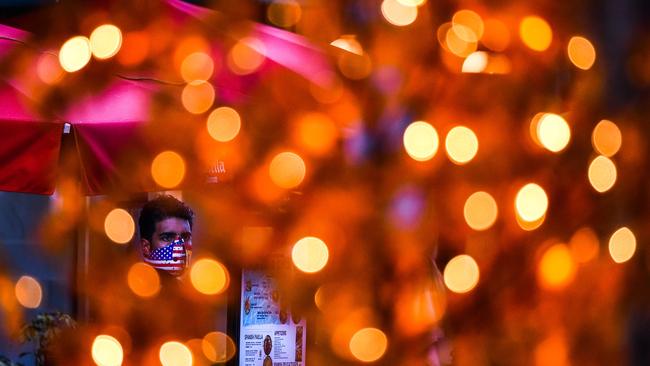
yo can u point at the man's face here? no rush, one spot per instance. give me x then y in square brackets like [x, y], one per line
[168, 231]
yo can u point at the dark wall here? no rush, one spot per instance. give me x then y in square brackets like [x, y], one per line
[21, 253]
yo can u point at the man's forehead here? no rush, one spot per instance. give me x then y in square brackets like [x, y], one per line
[173, 224]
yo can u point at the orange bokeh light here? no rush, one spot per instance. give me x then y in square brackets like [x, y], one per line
[218, 347]
[471, 25]
[552, 351]
[480, 211]
[107, 351]
[246, 56]
[536, 33]
[209, 277]
[197, 96]
[168, 169]
[556, 268]
[187, 46]
[496, 35]
[175, 354]
[143, 280]
[135, 48]
[606, 138]
[461, 274]
[119, 226]
[397, 13]
[531, 202]
[105, 41]
[584, 245]
[75, 54]
[197, 66]
[461, 145]
[420, 141]
[287, 170]
[310, 254]
[28, 292]
[602, 174]
[316, 133]
[581, 52]
[48, 69]
[224, 124]
[368, 344]
[622, 245]
[284, 13]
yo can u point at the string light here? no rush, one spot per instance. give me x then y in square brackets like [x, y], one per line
[602, 174]
[209, 276]
[107, 351]
[535, 33]
[143, 280]
[468, 25]
[420, 141]
[496, 35]
[310, 254]
[368, 344]
[75, 54]
[119, 226]
[348, 43]
[168, 169]
[531, 202]
[224, 124]
[218, 347]
[28, 292]
[461, 274]
[581, 52]
[105, 41]
[198, 96]
[480, 211]
[553, 132]
[556, 268]
[606, 138]
[476, 62]
[461, 145]
[246, 56]
[287, 170]
[197, 66]
[397, 13]
[175, 354]
[285, 13]
[622, 245]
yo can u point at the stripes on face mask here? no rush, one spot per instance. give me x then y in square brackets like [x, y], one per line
[171, 258]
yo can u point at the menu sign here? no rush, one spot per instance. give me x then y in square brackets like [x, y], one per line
[269, 334]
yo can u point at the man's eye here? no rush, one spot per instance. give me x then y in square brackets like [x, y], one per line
[166, 237]
[186, 236]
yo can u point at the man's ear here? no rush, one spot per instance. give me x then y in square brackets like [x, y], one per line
[146, 247]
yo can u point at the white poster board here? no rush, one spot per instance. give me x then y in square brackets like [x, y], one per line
[269, 334]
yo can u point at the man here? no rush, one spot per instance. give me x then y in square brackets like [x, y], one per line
[165, 225]
[166, 234]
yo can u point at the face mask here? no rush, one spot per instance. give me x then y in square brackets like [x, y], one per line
[172, 258]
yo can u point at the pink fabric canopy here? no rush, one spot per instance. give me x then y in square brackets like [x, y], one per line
[284, 48]
[30, 151]
[106, 124]
[103, 126]
[29, 154]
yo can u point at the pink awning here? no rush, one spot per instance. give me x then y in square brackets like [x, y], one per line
[106, 127]
[29, 154]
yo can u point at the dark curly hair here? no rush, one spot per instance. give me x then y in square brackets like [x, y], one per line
[160, 208]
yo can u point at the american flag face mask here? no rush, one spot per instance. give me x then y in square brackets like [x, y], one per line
[172, 258]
